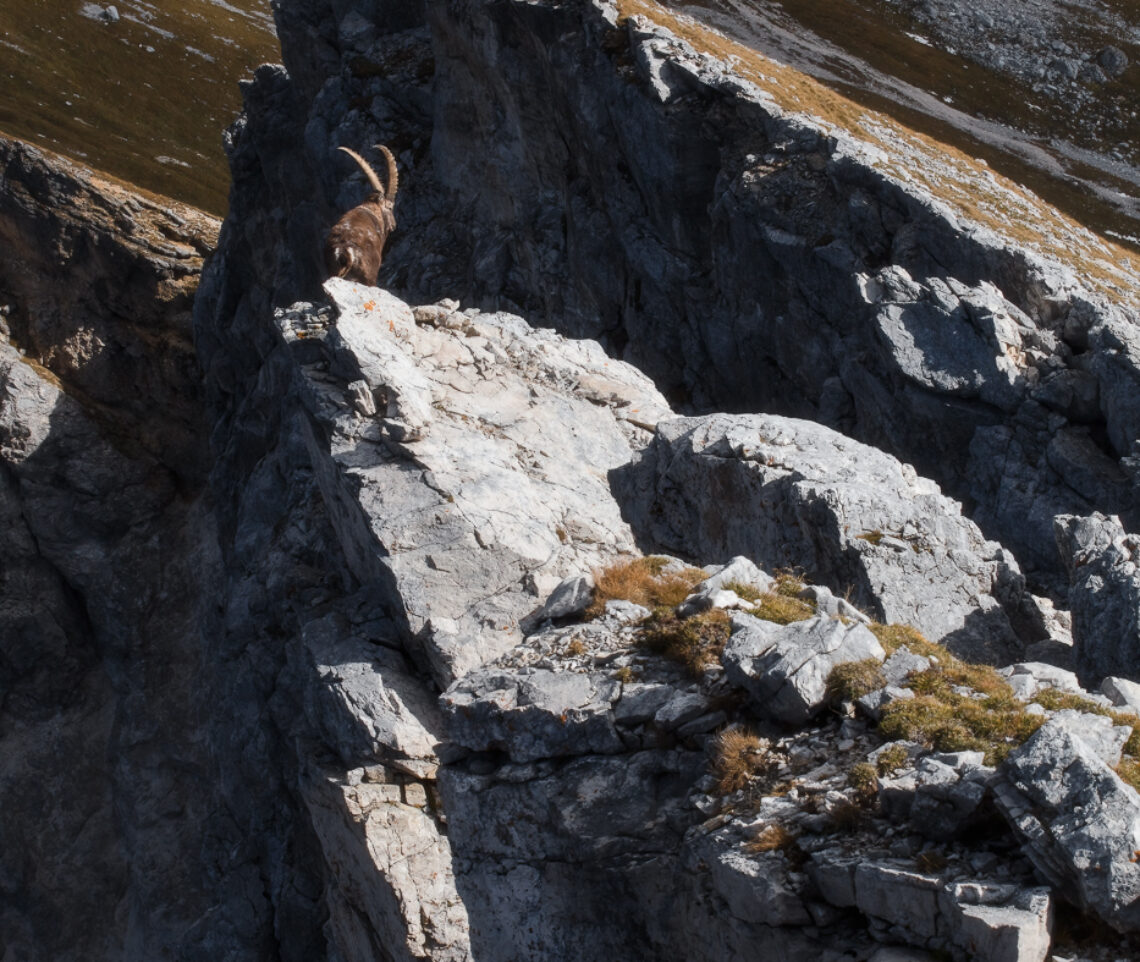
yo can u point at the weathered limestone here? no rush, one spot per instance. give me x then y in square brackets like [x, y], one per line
[1104, 595]
[975, 920]
[785, 667]
[941, 797]
[498, 483]
[390, 880]
[1079, 822]
[761, 261]
[786, 492]
[541, 714]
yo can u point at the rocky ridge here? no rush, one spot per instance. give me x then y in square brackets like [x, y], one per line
[783, 250]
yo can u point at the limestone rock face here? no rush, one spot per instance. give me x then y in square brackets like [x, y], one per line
[785, 667]
[1080, 823]
[109, 576]
[788, 492]
[286, 670]
[483, 476]
[635, 189]
[1104, 594]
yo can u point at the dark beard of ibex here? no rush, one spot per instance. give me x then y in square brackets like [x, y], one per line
[355, 245]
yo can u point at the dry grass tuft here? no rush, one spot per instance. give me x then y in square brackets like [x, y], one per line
[737, 755]
[1129, 770]
[891, 758]
[864, 779]
[854, 679]
[696, 643]
[772, 838]
[746, 592]
[932, 862]
[644, 582]
[952, 722]
[847, 816]
[783, 608]
[894, 637]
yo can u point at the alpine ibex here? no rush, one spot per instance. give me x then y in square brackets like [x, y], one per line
[355, 244]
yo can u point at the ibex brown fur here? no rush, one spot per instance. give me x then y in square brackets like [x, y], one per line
[355, 245]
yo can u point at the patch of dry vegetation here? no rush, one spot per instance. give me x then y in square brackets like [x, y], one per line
[864, 779]
[772, 838]
[696, 643]
[782, 602]
[894, 637]
[737, 756]
[890, 759]
[854, 679]
[644, 581]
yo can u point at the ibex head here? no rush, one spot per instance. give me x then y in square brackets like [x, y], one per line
[355, 245]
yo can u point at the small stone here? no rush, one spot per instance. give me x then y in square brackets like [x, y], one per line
[360, 394]
[1113, 61]
[415, 795]
[572, 596]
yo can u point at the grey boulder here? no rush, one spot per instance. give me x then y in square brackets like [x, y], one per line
[1104, 595]
[785, 667]
[787, 492]
[1078, 820]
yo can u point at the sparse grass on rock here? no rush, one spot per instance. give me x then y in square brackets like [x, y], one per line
[864, 779]
[696, 643]
[894, 637]
[772, 838]
[737, 755]
[782, 603]
[644, 581]
[891, 758]
[854, 679]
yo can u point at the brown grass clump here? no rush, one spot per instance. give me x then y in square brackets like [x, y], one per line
[737, 755]
[894, 637]
[783, 611]
[891, 758]
[847, 816]
[941, 680]
[1129, 770]
[951, 722]
[644, 582]
[854, 679]
[746, 592]
[864, 779]
[696, 643]
[772, 838]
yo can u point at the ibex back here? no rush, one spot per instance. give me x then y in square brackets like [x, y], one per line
[355, 245]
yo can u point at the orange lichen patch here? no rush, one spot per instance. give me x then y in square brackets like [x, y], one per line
[971, 192]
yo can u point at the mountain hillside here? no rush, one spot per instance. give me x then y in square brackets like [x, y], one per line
[712, 538]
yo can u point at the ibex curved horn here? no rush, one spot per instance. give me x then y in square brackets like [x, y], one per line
[368, 171]
[354, 247]
[393, 174]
